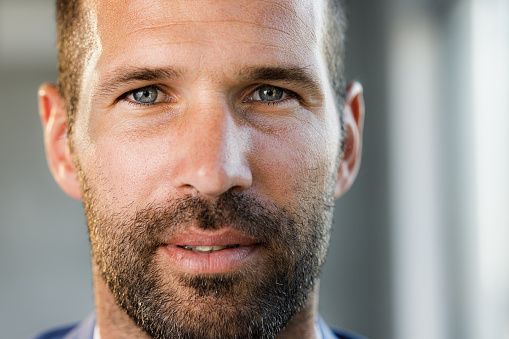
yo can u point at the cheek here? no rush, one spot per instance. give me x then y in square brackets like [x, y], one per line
[297, 162]
[124, 170]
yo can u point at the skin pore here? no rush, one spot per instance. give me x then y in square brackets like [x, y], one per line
[205, 123]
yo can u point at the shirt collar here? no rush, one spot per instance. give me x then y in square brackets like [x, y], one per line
[318, 331]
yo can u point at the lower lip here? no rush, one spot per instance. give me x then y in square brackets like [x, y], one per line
[216, 262]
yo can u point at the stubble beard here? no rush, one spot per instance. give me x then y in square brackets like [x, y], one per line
[252, 302]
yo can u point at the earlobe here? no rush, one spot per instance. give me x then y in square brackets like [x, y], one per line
[353, 111]
[53, 114]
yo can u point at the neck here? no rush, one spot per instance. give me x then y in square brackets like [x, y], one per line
[302, 324]
[113, 322]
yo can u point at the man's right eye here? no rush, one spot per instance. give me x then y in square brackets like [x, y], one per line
[148, 95]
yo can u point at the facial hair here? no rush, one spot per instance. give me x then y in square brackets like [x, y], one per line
[255, 301]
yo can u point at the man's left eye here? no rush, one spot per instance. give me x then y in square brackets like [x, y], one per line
[147, 95]
[268, 93]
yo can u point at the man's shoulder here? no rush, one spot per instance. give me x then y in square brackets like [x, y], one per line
[83, 330]
[57, 333]
[335, 333]
[342, 334]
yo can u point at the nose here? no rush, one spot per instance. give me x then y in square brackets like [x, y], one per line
[213, 154]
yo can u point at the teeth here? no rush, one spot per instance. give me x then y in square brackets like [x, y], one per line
[207, 249]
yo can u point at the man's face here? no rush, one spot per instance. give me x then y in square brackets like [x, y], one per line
[207, 144]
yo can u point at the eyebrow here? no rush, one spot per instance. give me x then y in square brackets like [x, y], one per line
[300, 76]
[121, 77]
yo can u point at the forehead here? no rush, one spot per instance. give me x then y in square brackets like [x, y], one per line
[183, 32]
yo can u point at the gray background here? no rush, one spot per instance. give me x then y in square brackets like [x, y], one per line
[400, 260]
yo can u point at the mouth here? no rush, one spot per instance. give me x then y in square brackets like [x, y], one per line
[206, 252]
[207, 249]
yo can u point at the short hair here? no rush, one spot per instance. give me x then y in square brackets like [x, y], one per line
[74, 40]
[71, 46]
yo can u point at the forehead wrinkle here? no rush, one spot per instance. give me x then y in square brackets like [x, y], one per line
[278, 48]
[246, 42]
[288, 9]
[206, 22]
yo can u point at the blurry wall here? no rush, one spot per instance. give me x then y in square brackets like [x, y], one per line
[418, 245]
[44, 261]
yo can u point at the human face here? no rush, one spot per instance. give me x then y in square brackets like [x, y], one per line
[207, 145]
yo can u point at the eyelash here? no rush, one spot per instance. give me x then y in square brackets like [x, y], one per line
[289, 95]
[124, 96]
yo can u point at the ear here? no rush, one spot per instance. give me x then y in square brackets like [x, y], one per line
[353, 112]
[53, 114]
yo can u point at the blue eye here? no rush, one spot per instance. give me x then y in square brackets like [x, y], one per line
[269, 93]
[145, 95]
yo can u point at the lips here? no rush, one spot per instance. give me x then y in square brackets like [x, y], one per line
[204, 252]
[207, 249]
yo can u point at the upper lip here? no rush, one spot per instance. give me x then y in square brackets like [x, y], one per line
[222, 237]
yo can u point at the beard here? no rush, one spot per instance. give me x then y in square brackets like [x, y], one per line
[254, 301]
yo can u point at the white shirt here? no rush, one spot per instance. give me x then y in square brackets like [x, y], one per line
[97, 335]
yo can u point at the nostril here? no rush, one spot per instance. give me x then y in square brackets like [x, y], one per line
[215, 181]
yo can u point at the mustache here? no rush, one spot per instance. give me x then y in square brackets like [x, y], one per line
[261, 221]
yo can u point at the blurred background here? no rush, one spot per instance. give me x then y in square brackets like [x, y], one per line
[420, 246]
